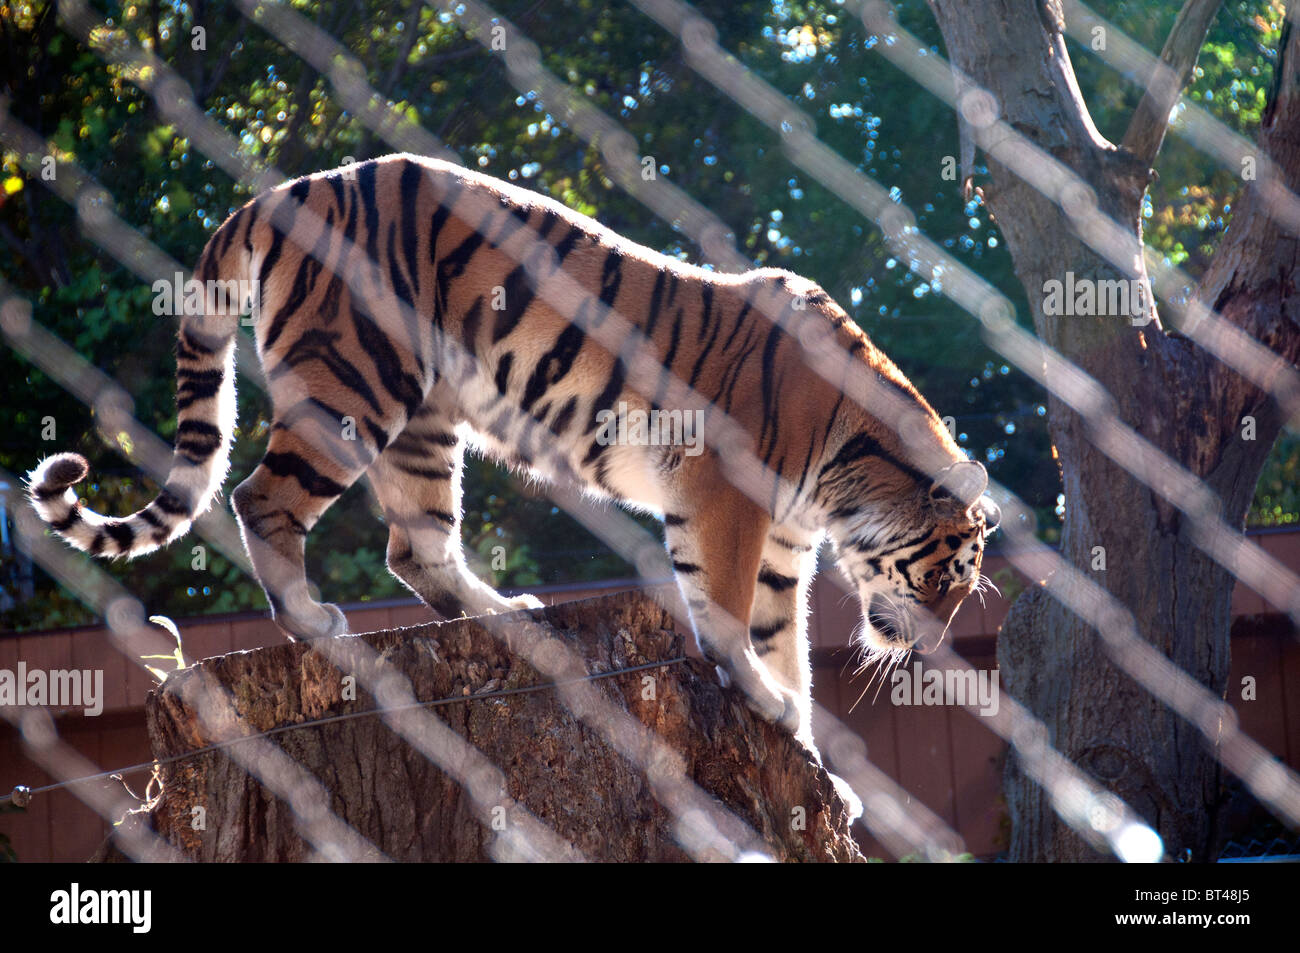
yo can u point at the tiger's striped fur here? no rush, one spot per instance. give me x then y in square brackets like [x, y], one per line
[415, 306]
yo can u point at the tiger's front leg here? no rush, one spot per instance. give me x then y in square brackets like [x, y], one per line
[779, 631]
[715, 541]
[778, 624]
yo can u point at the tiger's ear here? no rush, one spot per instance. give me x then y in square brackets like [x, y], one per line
[991, 512]
[965, 481]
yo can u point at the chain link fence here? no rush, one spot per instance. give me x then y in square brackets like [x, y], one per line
[704, 829]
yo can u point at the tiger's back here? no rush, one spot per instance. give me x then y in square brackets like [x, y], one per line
[476, 255]
[407, 306]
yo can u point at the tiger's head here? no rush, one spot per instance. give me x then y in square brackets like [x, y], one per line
[913, 560]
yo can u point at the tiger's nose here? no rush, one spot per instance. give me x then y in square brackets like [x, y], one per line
[928, 638]
[882, 617]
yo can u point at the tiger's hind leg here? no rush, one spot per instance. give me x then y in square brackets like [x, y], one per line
[278, 505]
[417, 481]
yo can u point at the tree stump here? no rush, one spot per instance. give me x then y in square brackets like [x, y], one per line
[544, 783]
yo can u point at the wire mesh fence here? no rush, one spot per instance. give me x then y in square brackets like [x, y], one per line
[704, 829]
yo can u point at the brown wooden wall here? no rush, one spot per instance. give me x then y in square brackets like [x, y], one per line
[942, 756]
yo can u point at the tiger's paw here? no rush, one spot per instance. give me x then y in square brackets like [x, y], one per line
[525, 601]
[321, 621]
[852, 803]
[765, 697]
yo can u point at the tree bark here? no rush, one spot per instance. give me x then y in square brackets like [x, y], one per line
[560, 769]
[1175, 395]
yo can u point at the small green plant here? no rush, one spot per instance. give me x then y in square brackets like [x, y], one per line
[177, 656]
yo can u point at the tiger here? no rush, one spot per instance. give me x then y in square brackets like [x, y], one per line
[408, 309]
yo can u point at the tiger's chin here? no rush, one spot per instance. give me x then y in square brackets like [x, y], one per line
[877, 653]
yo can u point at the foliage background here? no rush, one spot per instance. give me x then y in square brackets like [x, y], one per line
[281, 109]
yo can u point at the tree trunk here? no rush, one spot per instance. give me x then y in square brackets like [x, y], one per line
[1164, 387]
[552, 770]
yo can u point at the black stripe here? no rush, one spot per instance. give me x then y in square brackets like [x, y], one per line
[197, 440]
[290, 464]
[734, 369]
[713, 339]
[440, 219]
[656, 301]
[453, 265]
[519, 295]
[195, 342]
[226, 234]
[304, 281]
[350, 225]
[550, 220]
[469, 327]
[149, 516]
[252, 208]
[567, 244]
[706, 311]
[803, 473]
[775, 580]
[400, 287]
[69, 521]
[427, 473]
[771, 417]
[282, 221]
[366, 190]
[554, 365]
[335, 182]
[902, 563]
[735, 329]
[665, 375]
[613, 387]
[402, 386]
[272, 256]
[122, 535]
[763, 633]
[331, 299]
[611, 277]
[196, 385]
[789, 544]
[170, 502]
[564, 417]
[685, 567]
[862, 446]
[319, 345]
[503, 372]
[378, 435]
[412, 176]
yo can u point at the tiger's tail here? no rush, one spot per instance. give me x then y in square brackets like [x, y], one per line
[205, 403]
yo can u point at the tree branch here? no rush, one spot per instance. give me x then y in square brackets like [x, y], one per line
[1146, 130]
[1252, 278]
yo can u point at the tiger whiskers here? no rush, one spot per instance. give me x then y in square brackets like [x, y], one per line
[878, 660]
[982, 585]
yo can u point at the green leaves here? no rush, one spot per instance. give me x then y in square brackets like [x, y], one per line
[286, 114]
